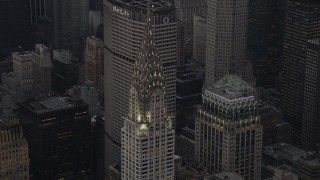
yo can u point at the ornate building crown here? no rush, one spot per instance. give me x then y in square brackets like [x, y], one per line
[147, 74]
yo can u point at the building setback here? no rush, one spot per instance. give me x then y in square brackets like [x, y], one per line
[58, 133]
[147, 138]
[124, 24]
[302, 21]
[228, 133]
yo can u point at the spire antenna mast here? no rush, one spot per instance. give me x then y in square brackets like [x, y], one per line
[148, 9]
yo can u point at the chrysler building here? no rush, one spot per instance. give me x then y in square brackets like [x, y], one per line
[147, 138]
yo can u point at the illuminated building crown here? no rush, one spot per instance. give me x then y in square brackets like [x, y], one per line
[147, 78]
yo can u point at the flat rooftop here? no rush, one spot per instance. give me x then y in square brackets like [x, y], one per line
[225, 176]
[157, 6]
[232, 88]
[188, 75]
[283, 150]
[64, 56]
[24, 53]
[52, 103]
[233, 81]
[310, 159]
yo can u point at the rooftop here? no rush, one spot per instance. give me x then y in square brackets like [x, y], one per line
[283, 151]
[224, 176]
[233, 81]
[232, 88]
[141, 5]
[23, 56]
[188, 75]
[310, 2]
[10, 134]
[52, 103]
[7, 122]
[311, 159]
[63, 56]
[24, 53]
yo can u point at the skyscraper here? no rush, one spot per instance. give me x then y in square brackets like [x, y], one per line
[22, 70]
[226, 38]
[310, 119]
[40, 10]
[70, 24]
[95, 17]
[124, 24]
[16, 86]
[302, 22]
[65, 72]
[185, 11]
[41, 70]
[15, 24]
[96, 5]
[147, 140]
[228, 132]
[58, 132]
[264, 48]
[199, 38]
[93, 63]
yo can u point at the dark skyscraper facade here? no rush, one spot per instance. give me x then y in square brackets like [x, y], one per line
[58, 132]
[38, 9]
[302, 22]
[310, 120]
[70, 24]
[65, 71]
[265, 25]
[41, 23]
[124, 24]
[15, 24]
[226, 38]
[96, 5]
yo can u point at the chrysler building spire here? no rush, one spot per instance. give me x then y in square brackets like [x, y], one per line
[147, 138]
[147, 76]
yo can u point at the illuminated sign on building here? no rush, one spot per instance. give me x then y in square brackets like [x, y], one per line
[120, 11]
